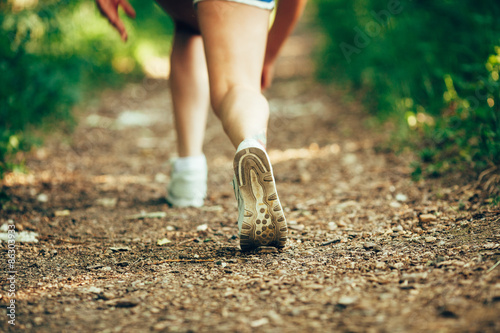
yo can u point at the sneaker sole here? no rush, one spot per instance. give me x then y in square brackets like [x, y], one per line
[264, 222]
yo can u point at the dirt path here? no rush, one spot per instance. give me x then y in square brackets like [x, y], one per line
[369, 250]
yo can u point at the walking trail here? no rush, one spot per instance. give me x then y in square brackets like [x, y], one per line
[369, 250]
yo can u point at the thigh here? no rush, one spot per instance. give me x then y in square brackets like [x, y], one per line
[182, 13]
[234, 36]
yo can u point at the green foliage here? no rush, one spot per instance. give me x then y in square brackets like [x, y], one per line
[432, 67]
[53, 51]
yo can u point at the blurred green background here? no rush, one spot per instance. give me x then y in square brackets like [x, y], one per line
[52, 53]
[429, 68]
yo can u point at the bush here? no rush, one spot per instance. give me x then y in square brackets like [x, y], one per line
[430, 66]
[50, 54]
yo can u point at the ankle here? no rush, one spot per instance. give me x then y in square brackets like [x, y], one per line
[190, 163]
[250, 142]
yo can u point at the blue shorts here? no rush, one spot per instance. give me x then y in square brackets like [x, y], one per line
[264, 4]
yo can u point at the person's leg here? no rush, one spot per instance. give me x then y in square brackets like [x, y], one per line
[190, 97]
[235, 40]
[190, 91]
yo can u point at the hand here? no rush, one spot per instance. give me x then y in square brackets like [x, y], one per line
[109, 9]
[287, 15]
[267, 75]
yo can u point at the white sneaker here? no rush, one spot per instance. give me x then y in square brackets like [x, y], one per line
[188, 182]
[261, 221]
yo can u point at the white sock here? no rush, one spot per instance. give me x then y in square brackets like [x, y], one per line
[190, 163]
[247, 143]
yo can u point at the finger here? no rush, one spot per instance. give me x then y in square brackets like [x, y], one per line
[121, 29]
[263, 84]
[267, 84]
[98, 4]
[110, 10]
[265, 81]
[106, 10]
[129, 10]
[115, 21]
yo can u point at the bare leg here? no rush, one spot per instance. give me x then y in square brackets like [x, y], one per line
[190, 91]
[190, 96]
[235, 39]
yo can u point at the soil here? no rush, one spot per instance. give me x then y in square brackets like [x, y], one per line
[369, 250]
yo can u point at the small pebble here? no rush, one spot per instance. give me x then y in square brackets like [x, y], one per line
[347, 300]
[430, 239]
[341, 224]
[162, 325]
[106, 296]
[401, 197]
[259, 322]
[202, 227]
[42, 197]
[369, 245]
[94, 290]
[395, 204]
[127, 302]
[398, 265]
[426, 218]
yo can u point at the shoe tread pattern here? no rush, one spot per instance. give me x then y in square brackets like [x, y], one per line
[264, 223]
